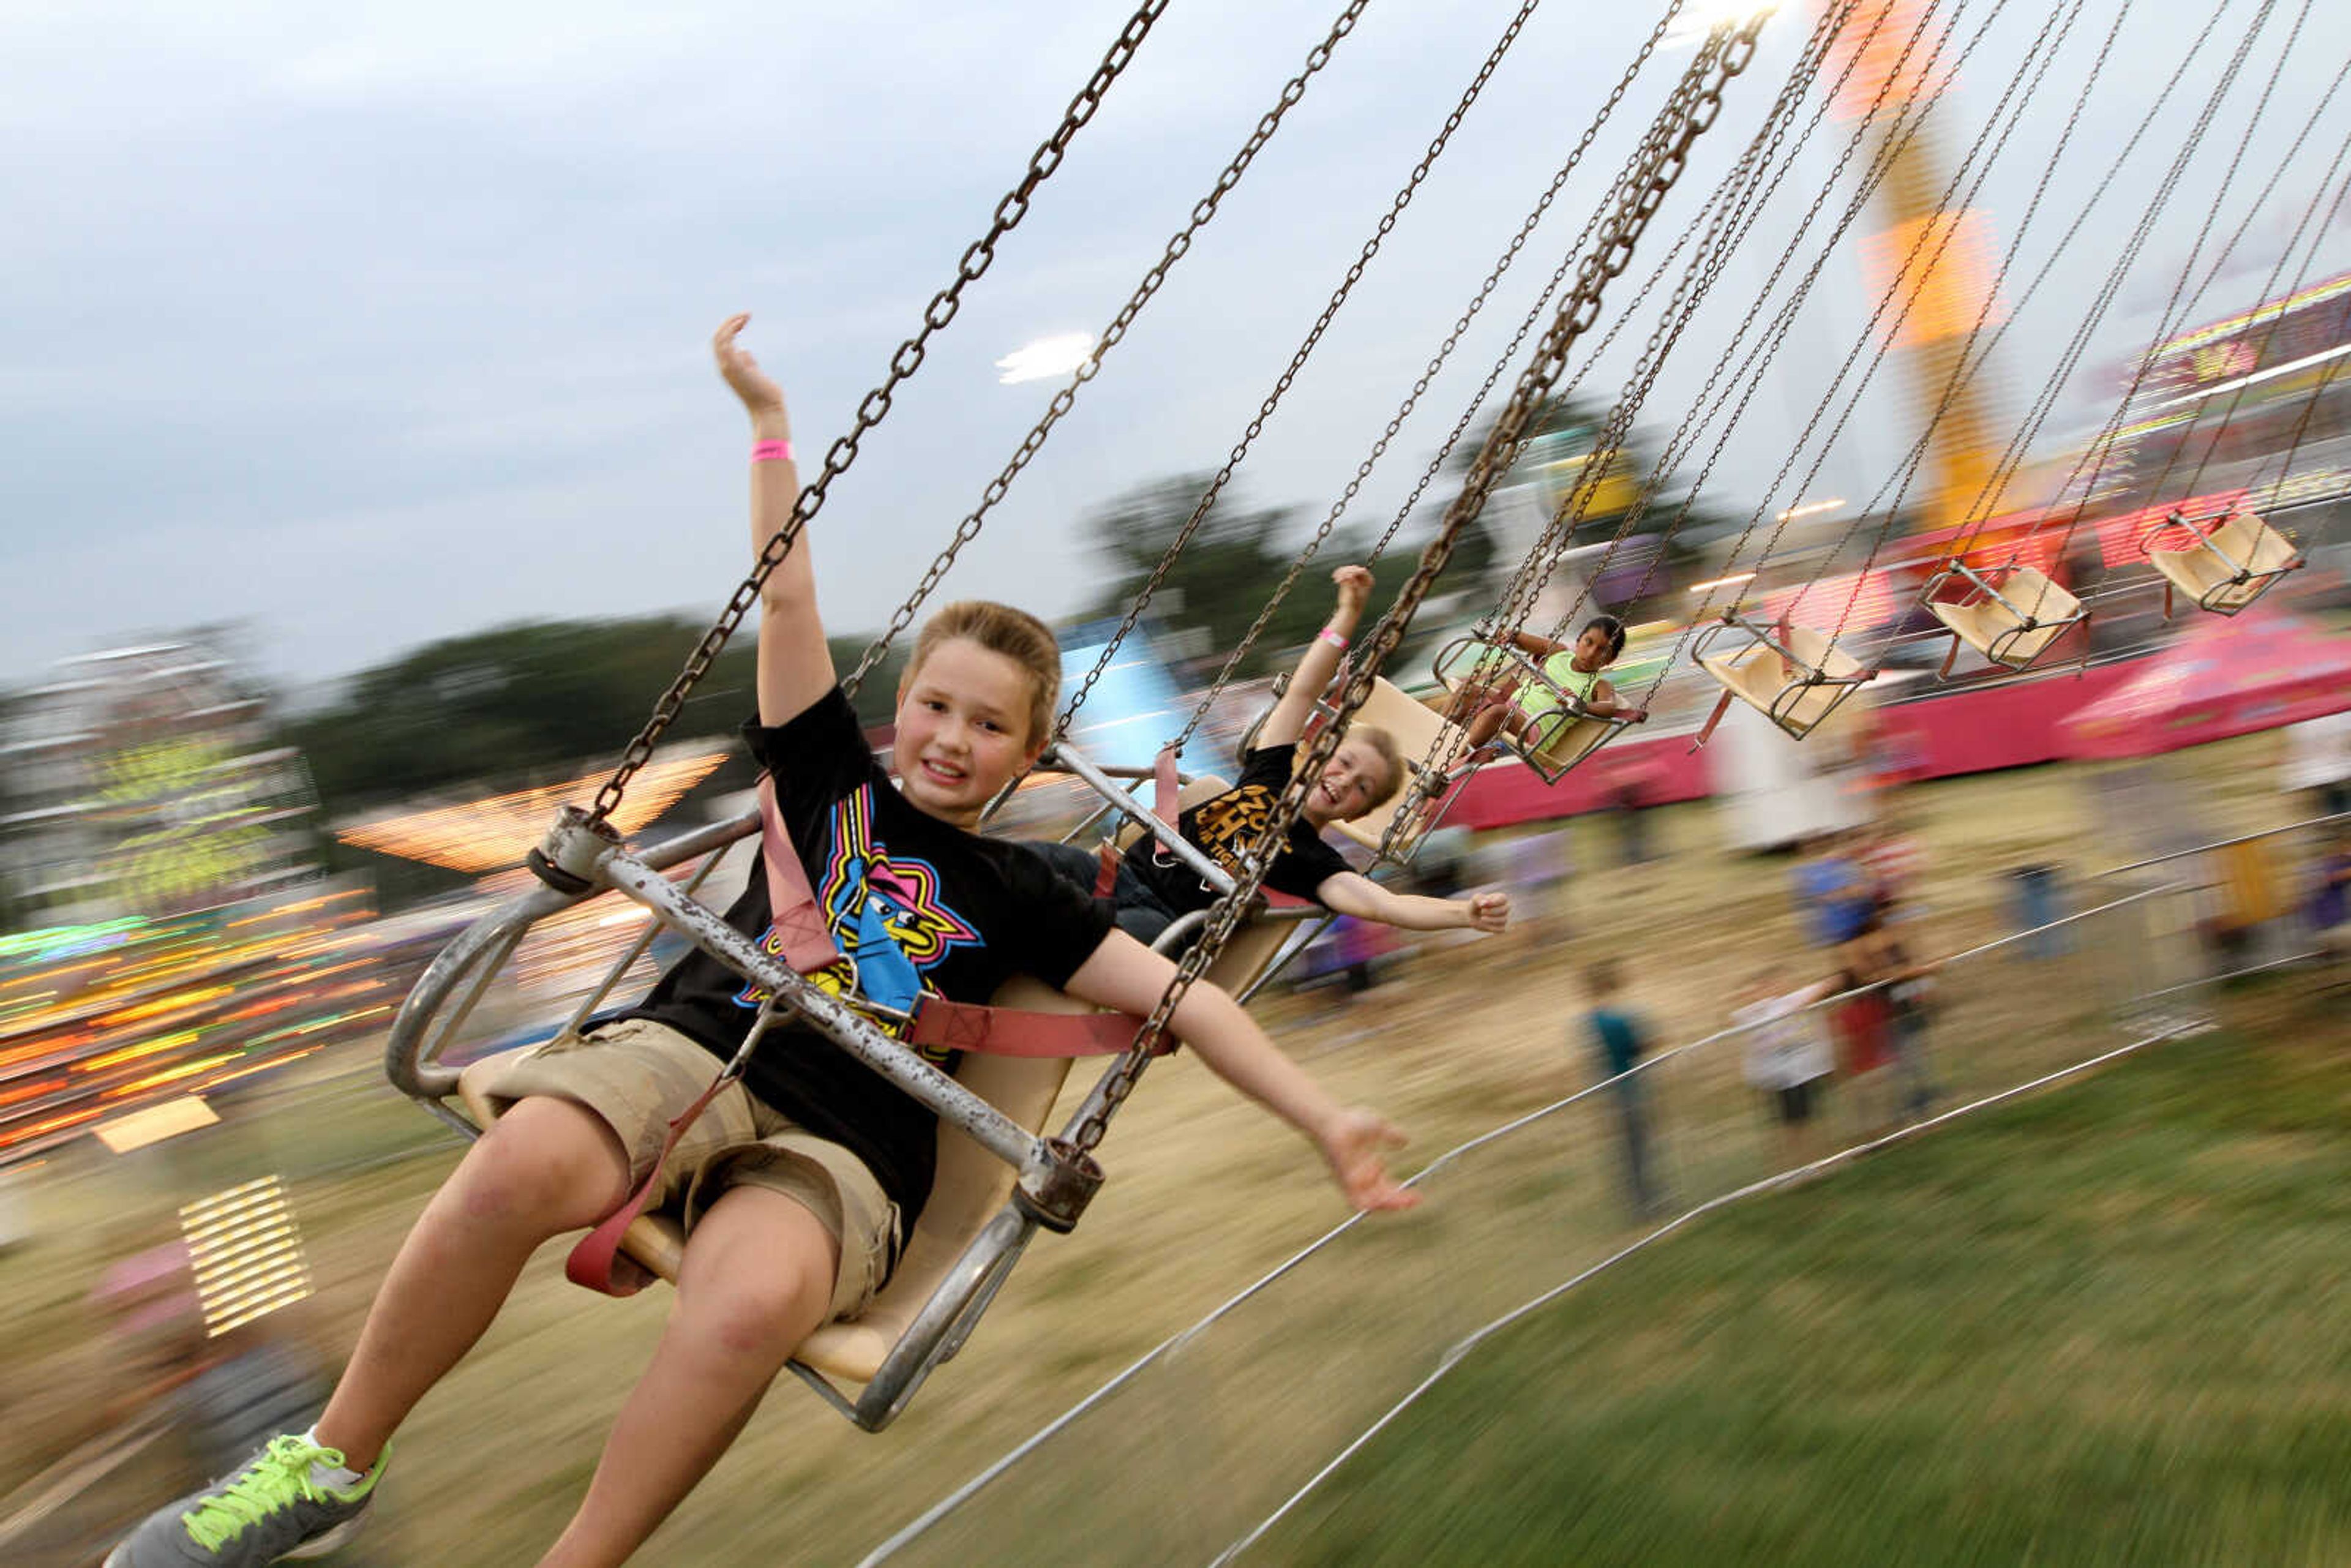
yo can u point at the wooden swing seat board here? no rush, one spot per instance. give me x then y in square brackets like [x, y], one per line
[1557, 740]
[970, 1188]
[2228, 567]
[1790, 694]
[2014, 625]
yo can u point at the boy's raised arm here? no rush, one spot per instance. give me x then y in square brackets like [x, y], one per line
[794, 663]
[1287, 722]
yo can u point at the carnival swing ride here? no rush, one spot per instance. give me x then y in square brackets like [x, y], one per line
[1873, 67]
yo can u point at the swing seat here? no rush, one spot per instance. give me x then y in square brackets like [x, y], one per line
[2009, 614]
[1795, 678]
[970, 1188]
[1554, 740]
[2222, 568]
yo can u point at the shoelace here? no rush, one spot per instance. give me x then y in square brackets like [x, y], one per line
[279, 1475]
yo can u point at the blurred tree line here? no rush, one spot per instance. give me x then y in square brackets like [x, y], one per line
[537, 702]
[519, 706]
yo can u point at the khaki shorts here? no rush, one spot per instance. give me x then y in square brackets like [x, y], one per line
[637, 1075]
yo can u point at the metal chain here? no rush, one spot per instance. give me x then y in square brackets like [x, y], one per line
[1141, 599]
[1695, 104]
[1064, 400]
[875, 405]
[2019, 441]
[1907, 124]
[1436, 363]
[1749, 191]
[1896, 490]
[1723, 220]
[2174, 310]
[1988, 147]
[1734, 204]
[2269, 290]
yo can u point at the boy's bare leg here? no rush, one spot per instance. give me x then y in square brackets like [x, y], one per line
[548, 1167]
[757, 1280]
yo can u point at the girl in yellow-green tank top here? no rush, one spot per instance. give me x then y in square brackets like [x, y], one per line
[1569, 670]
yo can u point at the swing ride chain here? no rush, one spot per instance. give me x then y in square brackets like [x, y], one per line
[1976, 349]
[1739, 203]
[1448, 745]
[1717, 262]
[1776, 331]
[2041, 57]
[1723, 231]
[1066, 398]
[1437, 362]
[1694, 106]
[875, 405]
[1138, 601]
[1709, 218]
[2174, 312]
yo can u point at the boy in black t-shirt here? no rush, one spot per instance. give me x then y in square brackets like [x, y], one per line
[1154, 887]
[795, 1181]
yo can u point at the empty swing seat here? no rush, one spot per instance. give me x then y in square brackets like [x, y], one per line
[2225, 568]
[2011, 621]
[1795, 679]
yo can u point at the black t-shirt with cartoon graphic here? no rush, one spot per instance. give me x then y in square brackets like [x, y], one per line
[917, 903]
[1226, 824]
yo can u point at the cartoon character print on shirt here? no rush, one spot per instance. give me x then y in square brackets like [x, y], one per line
[1226, 826]
[886, 916]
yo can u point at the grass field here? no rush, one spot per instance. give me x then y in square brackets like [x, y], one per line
[2104, 1325]
[1204, 1195]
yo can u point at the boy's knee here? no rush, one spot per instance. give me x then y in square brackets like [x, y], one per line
[549, 1161]
[759, 1314]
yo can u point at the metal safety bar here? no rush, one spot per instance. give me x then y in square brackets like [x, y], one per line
[1103, 782]
[419, 1035]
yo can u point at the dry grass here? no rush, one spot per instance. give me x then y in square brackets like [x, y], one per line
[1204, 1195]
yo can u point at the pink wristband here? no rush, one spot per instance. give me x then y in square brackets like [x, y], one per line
[1327, 635]
[771, 452]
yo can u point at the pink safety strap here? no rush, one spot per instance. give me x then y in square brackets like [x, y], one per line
[1166, 793]
[590, 1264]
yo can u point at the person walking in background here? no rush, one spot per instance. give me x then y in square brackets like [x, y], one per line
[1620, 1040]
[1786, 1060]
[1833, 891]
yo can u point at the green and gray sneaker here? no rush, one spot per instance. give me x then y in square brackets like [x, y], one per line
[274, 1508]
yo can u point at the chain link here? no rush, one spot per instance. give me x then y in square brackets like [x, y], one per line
[1141, 599]
[1437, 362]
[1695, 101]
[1751, 369]
[1066, 398]
[875, 405]
[1736, 205]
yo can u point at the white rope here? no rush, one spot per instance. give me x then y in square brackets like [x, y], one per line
[1175, 1343]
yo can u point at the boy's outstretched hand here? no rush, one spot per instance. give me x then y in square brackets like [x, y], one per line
[758, 391]
[1352, 1144]
[1355, 586]
[1490, 911]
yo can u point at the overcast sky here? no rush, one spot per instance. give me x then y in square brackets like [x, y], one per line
[369, 324]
